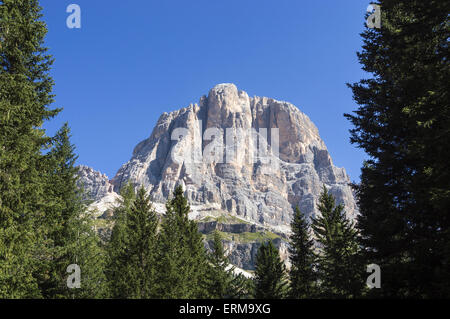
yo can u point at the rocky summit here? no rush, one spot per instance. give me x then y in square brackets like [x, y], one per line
[241, 161]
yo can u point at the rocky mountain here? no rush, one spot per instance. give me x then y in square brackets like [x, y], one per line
[95, 184]
[249, 159]
[97, 188]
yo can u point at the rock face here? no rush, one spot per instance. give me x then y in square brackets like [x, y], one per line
[98, 189]
[241, 241]
[95, 184]
[244, 180]
[246, 160]
[243, 255]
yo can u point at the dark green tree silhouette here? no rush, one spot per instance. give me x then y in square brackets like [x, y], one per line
[403, 124]
[25, 96]
[182, 261]
[338, 268]
[242, 287]
[270, 273]
[68, 229]
[142, 223]
[119, 282]
[220, 275]
[132, 249]
[301, 254]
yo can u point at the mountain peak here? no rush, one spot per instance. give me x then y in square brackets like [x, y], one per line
[224, 102]
[233, 180]
[223, 87]
[264, 191]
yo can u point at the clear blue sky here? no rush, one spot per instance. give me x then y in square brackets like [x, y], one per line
[133, 60]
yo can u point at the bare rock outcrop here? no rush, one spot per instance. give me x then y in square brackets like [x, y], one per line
[95, 184]
[252, 178]
[275, 161]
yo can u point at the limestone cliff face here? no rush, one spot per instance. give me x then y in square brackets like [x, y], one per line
[95, 184]
[262, 186]
[97, 188]
[241, 241]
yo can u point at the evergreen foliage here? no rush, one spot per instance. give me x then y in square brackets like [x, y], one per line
[70, 238]
[241, 287]
[270, 273]
[221, 275]
[25, 96]
[142, 223]
[181, 253]
[338, 268]
[117, 270]
[403, 124]
[301, 255]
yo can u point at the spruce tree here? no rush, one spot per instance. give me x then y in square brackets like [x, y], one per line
[58, 224]
[241, 287]
[223, 281]
[70, 238]
[117, 247]
[301, 254]
[403, 124]
[221, 275]
[182, 261]
[89, 254]
[141, 226]
[25, 96]
[338, 269]
[270, 273]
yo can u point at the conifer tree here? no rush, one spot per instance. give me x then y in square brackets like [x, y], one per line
[301, 255]
[25, 96]
[182, 261]
[338, 269]
[58, 226]
[241, 287]
[141, 226]
[70, 238]
[403, 124]
[224, 282]
[116, 269]
[270, 273]
[221, 275]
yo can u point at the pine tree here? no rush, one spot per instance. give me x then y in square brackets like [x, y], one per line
[117, 247]
[70, 238]
[241, 287]
[403, 124]
[270, 273]
[221, 275]
[182, 261]
[338, 269]
[58, 225]
[25, 96]
[142, 223]
[301, 255]
[223, 281]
